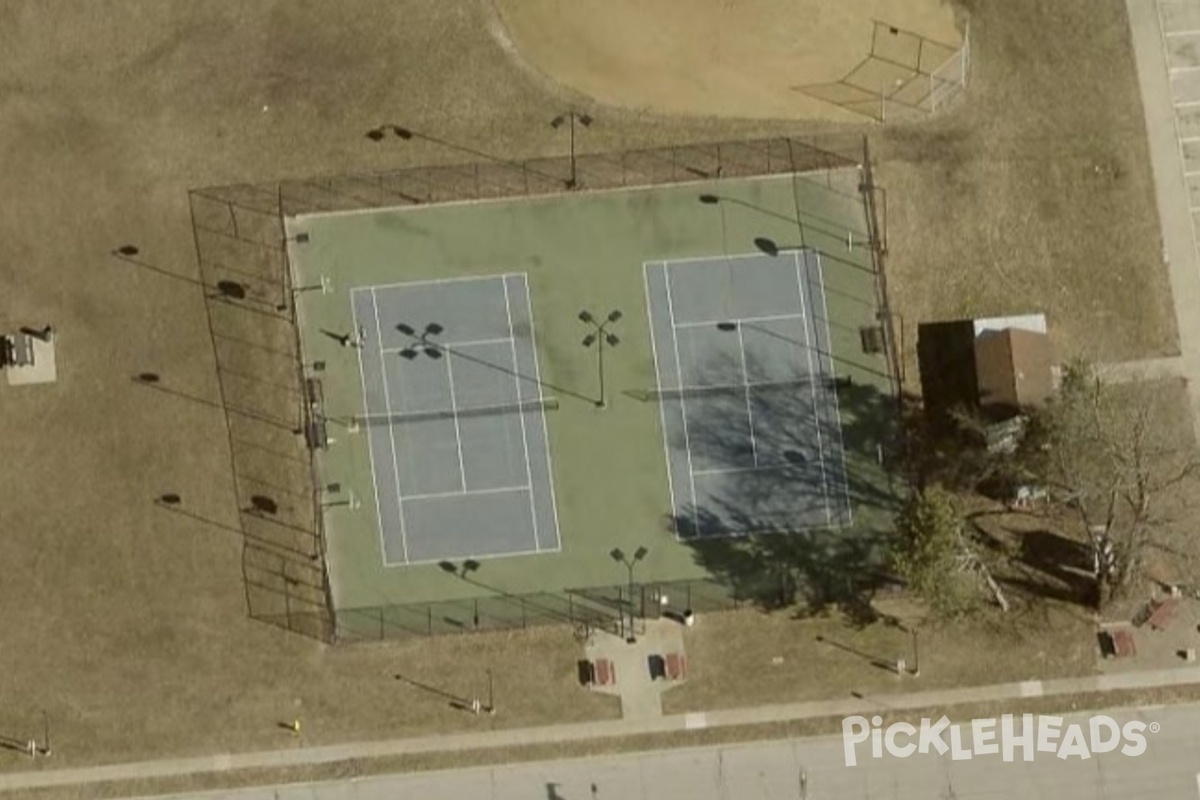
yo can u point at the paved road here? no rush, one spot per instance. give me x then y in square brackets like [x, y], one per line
[54, 775]
[772, 771]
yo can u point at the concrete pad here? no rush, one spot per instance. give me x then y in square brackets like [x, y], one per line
[1180, 16]
[641, 696]
[1187, 119]
[1191, 157]
[1183, 51]
[1185, 86]
[1193, 186]
[43, 370]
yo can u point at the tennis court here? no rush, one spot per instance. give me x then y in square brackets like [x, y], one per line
[454, 414]
[748, 394]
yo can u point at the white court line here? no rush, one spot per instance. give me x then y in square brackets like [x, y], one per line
[449, 345]
[713, 259]
[524, 434]
[1192, 68]
[816, 406]
[468, 493]
[1185, 103]
[1188, 32]
[430, 281]
[662, 407]
[485, 557]
[462, 470]
[714, 322]
[687, 442]
[1198, 782]
[362, 376]
[749, 412]
[387, 404]
[537, 377]
[734, 470]
[837, 411]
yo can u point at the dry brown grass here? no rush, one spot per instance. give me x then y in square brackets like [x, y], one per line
[731, 656]
[998, 207]
[128, 622]
[822, 726]
[133, 632]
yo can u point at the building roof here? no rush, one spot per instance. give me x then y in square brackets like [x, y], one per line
[997, 368]
[1013, 370]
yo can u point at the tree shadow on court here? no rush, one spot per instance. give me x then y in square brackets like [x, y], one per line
[784, 535]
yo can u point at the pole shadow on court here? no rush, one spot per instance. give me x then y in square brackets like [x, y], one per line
[421, 343]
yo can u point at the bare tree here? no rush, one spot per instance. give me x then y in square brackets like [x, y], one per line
[1110, 454]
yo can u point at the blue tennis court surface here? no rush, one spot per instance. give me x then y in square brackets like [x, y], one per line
[455, 417]
[748, 394]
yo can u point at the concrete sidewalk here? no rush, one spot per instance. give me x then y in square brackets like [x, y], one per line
[596, 730]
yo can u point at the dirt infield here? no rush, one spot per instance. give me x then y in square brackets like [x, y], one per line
[723, 57]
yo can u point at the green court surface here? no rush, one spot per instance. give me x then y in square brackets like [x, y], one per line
[579, 251]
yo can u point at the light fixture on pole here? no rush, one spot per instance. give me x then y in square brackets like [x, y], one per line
[619, 556]
[600, 336]
[569, 119]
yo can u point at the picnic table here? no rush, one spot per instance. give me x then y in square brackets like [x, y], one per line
[1162, 612]
[606, 672]
[676, 666]
[1117, 643]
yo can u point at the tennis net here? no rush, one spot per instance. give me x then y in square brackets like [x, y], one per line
[399, 418]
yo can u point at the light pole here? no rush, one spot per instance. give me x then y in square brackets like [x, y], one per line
[600, 337]
[619, 556]
[570, 118]
[491, 703]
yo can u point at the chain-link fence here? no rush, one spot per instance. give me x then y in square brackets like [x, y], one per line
[600, 608]
[947, 81]
[240, 245]
[495, 178]
[905, 75]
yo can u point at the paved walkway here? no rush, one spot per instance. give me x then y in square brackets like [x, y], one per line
[641, 695]
[1166, 45]
[596, 730]
[805, 769]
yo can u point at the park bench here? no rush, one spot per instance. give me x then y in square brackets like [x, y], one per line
[606, 672]
[1117, 643]
[676, 666]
